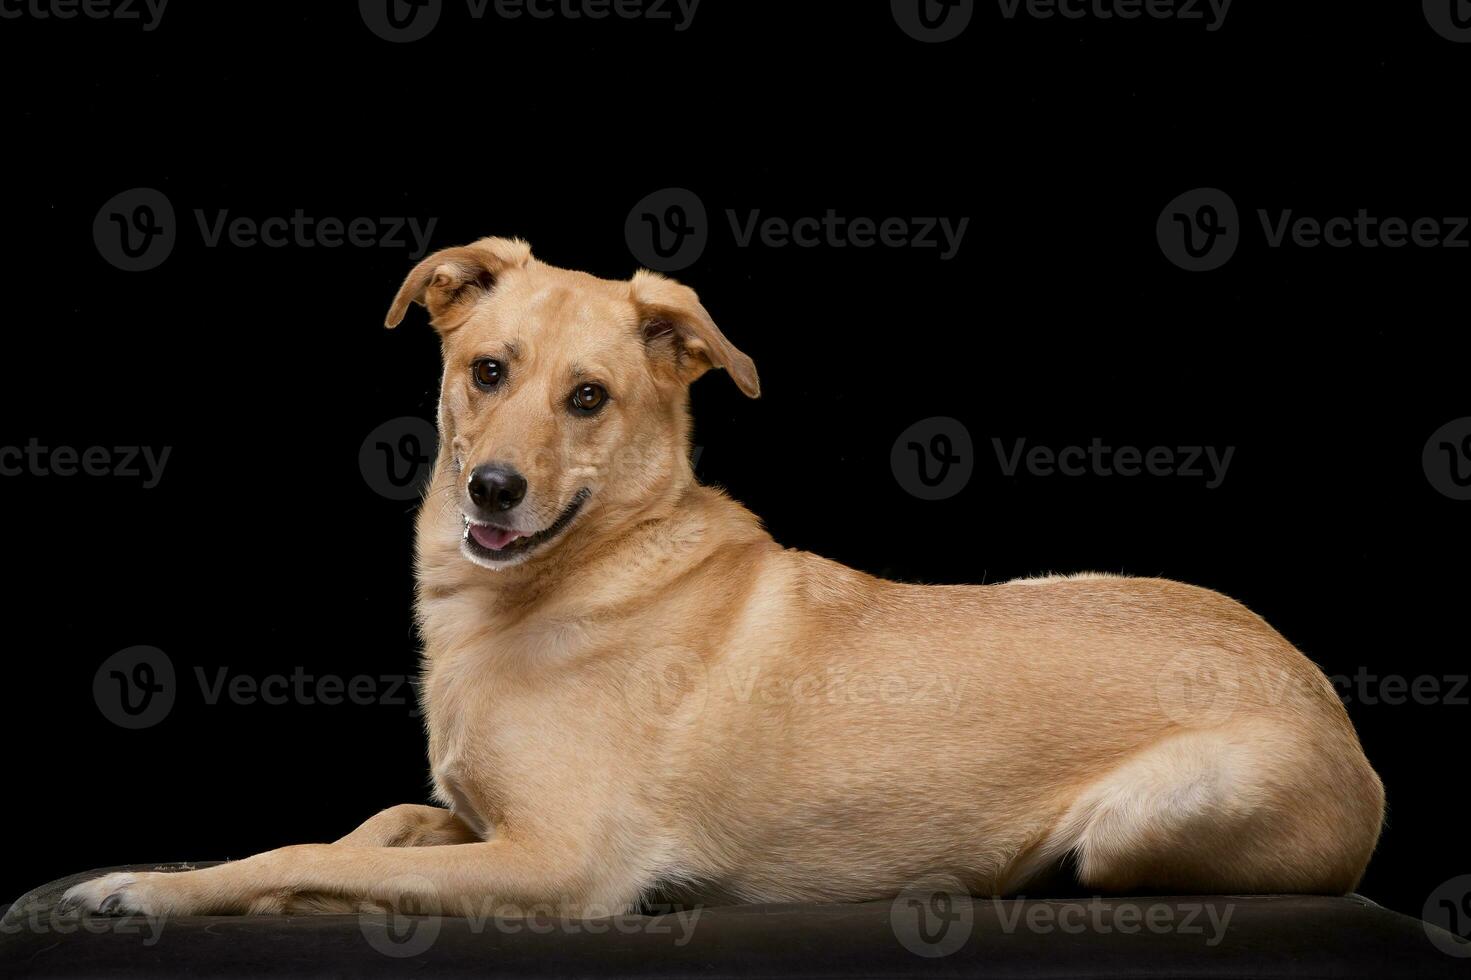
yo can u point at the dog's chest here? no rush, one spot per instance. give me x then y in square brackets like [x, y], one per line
[501, 746]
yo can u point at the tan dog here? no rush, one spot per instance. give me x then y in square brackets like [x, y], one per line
[630, 687]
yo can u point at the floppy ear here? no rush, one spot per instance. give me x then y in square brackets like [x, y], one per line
[679, 333]
[450, 281]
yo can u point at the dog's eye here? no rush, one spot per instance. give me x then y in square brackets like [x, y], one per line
[588, 398]
[487, 373]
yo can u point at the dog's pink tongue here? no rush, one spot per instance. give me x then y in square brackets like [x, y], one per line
[493, 537]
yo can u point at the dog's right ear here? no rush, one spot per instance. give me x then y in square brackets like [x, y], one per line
[451, 281]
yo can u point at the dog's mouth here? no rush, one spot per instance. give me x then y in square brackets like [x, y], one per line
[491, 542]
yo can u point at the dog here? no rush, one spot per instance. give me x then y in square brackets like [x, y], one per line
[632, 690]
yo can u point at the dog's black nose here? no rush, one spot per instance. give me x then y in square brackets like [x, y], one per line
[495, 486]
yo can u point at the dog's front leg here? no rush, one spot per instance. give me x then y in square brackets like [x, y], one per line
[411, 825]
[495, 876]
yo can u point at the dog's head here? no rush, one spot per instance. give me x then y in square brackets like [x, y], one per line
[564, 396]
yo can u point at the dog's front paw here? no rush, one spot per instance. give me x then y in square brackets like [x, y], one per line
[126, 893]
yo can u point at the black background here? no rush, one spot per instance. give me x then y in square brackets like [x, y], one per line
[263, 549]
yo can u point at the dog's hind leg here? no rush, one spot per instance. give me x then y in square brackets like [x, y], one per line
[1251, 807]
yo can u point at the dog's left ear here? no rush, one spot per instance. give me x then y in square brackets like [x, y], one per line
[679, 333]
